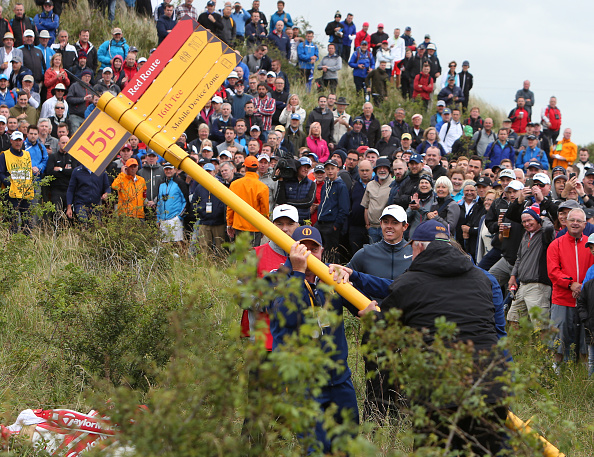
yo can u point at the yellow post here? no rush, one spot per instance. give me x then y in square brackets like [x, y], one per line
[515, 423]
[165, 145]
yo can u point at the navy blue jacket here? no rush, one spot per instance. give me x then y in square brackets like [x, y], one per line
[86, 188]
[293, 318]
[334, 204]
[299, 194]
[201, 197]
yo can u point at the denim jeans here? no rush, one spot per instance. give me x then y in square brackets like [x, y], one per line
[375, 234]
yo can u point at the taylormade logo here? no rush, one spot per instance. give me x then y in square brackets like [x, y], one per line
[70, 420]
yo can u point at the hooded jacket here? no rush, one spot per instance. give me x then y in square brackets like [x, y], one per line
[111, 48]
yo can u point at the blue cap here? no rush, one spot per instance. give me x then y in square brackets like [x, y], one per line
[305, 161]
[314, 155]
[447, 111]
[3, 76]
[295, 116]
[209, 167]
[416, 157]
[307, 232]
[430, 230]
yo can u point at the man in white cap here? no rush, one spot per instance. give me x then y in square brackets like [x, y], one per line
[106, 83]
[32, 56]
[16, 173]
[48, 107]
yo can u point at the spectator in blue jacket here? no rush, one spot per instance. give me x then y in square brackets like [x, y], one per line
[451, 94]
[361, 61]
[349, 31]
[241, 17]
[308, 53]
[36, 150]
[281, 15]
[171, 206]
[532, 152]
[111, 48]
[48, 20]
[500, 149]
[45, 47]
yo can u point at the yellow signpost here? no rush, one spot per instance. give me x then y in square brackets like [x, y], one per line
[158, 106]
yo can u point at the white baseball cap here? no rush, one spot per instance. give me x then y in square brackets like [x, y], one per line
[542, 177]
[515, 185]
[397, 212]
[264, 156]
[225, 153]
[17, 135]
[507, 173]
[285, 211]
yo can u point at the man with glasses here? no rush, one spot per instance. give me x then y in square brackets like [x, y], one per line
[48, 107]
[568, 260]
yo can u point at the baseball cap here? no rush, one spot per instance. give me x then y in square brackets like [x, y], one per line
[371, 150]
[131, 162]
[427, 36]
[295, 116]
[416, 157]
[447, 111]
[466, 63]
[542, 177]
[313, 155]
[305, 161]
[207, 148]
[531, 137]
[430, 230]
[107, 70]
[484, 181]
[28, 78]
[590, 239]
[133, 49]
[319, 168]
[331, 162]
[217, 99]
[558, 168]
[515, 185]
[2, 118]
[285, 211]
[382, 162]
[560, 177]
[397, 212]
[44, 34]
[17, 135]
[262, 72]
[569, 204]
[589, 172]
[441, 103]
[535, 164]
[407, 29]
[358, 120]
[263, 157]
[127, 146]
[589, 213]
[380, 26]
[364, 42]
[250, 162]
[307, 232]
[210, 3]
[17, 59]
[255, 127]
[151, 153]
[142, 59]
[431, 46]
[406, 136]
[209, 167]
[168, 165]
[225, 153]
[271, 73]
[365, 24]
[116, 30]
[451, 78]
[3, 76]
[279, 128]
[29, 32]
[507, 173]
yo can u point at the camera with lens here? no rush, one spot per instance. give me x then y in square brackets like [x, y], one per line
[286, 168]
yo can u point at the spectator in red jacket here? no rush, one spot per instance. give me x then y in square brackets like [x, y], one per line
[519, 117]
[362, 35]
[423, 84]
[551, 119]
[568, 260]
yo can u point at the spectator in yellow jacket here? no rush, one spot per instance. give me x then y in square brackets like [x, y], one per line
[564, 152]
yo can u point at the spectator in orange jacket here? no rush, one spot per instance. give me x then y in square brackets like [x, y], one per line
[564, 152]
[131, 191]
[254, 193]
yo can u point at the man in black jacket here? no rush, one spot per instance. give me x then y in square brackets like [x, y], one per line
[325, 117]
[410, 185]
[466, 81]
[19, 23]
[211, 20]
[373, 130]
[60, 165]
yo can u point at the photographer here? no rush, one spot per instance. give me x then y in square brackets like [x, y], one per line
[294, 187]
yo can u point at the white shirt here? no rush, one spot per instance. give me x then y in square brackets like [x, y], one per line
[454, 132]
